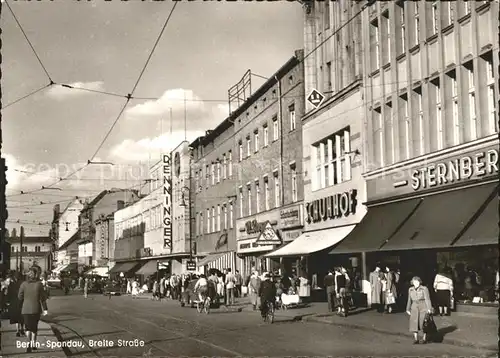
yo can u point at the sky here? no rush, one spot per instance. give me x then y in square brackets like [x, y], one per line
[205, 49]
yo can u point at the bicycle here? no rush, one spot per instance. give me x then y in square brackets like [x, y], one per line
[269, 316]
[203, 306]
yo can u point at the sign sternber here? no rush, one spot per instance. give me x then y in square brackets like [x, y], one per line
[315, 98]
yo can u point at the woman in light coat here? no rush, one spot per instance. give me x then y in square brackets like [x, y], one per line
[418, 305]
[135, 289]
[376, 285]
[390, 290]
[253, 289]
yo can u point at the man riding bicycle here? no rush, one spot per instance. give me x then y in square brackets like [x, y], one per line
[267, 294]
[201, 288]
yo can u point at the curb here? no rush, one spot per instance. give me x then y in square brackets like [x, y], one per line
[451, 341]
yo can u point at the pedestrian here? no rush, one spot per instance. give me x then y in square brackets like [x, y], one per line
[253, 289]
[329, 283]
[340, 292]
[135, 288]
[376, 289]
[32, 295]
[15, 305]
[230, 286]
[156, 291]
[418, 305]
[86, 287]
[162, 288]
[239, 283]
[443, 285]
[391, 292]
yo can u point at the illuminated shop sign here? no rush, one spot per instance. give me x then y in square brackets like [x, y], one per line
[474, 166]
[167, 202]
[332, 207]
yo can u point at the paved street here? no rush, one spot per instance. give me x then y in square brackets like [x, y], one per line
[169, 330]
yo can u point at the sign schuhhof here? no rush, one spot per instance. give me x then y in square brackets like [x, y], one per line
[167, 202]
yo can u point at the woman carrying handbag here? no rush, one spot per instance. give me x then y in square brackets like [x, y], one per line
[418, 305]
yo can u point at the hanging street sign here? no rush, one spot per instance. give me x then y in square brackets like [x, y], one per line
[191, 266]
[315, 98]
[268, 236]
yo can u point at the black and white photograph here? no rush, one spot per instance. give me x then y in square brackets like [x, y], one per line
[238, 178]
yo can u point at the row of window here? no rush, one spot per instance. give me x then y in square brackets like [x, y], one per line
[440, 14]
[25, 249]
[215, 172]
[216, 219]
[152, 219]
[331, 160]
[247, 152]
[468, 97]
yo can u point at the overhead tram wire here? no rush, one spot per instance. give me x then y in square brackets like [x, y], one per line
[26, 96]
[129, 97]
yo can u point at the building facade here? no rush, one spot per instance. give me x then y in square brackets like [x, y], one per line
[143, 230]
[268, 135]
[183, 243]
[334, 189]
[430, 75]
[105, 240]
[103, 205]
[248, 169]
[66, 228]
[35, 250]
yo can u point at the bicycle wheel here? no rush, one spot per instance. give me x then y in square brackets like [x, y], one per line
[206, 306]
[199, 307]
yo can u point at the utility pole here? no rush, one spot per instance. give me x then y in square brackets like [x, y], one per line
[185, 117]
[21, 238]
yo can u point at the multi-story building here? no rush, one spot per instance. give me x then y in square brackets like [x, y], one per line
[182, 215]
[35, 250]
[334, 188]
[67, 234]
[430, 151]
[105, 239]
[103, 205]
[143, 230]
[247, 176]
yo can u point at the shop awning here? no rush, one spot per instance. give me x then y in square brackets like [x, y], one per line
[379, 223]
[70, 267]
[313, 241]
[125, 267]
[148, 269]
[101, 271]
[208, 259]
[439, 219]
[483, 230]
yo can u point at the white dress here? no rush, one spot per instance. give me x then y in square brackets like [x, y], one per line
[135, 288]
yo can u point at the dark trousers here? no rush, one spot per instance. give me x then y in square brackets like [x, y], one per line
[330, 295]
[237, 291]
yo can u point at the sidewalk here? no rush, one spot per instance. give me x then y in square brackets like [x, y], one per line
[459, 329]
[10, 344]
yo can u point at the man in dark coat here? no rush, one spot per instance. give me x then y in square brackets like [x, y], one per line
[267, 293]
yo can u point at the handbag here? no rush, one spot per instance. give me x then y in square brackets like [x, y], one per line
[389, 299]
[429, 327]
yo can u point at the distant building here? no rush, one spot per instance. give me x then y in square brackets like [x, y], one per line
[35, 250]
[104, 204]
[65, 228]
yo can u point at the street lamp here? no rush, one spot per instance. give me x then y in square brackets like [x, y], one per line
[185, 190]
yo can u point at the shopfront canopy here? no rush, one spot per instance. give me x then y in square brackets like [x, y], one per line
[313, 241]
[125, 267]
[379, 224]
[70, 267]
[439, 219]
[483, 229]
[101, 271]
[148, 269]
[210, 258]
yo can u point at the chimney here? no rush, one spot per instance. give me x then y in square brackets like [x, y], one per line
[14, 233]
[57, 211]
[120, 204]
